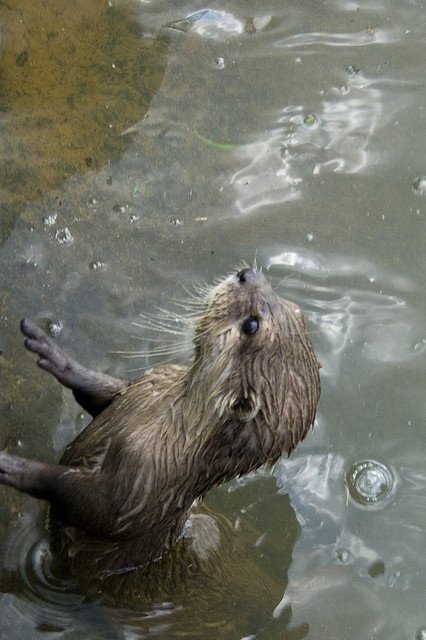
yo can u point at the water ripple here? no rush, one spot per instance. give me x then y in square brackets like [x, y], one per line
[38, 598]
[345, 550]
[337, 138]
[353, 305]
[209, 24]
[330, 39]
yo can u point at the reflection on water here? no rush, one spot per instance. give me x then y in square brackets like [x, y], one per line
[350, 546]
[338, 138]
[363, 308]
[209, 23]
[291, 134]
[324, 39]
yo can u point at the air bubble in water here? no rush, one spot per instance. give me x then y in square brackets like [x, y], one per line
[95, 266]
[419, 346]
[419, 185]
[55, 328]
[369, 482]
[310, 120]
[352, 70]
[421, 634]
[342, 555]
[63, 236]
[50, 219]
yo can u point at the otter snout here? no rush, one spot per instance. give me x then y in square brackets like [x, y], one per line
[248, 278]
[247, 275]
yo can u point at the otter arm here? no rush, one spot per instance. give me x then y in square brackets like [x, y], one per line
[92, 390]
[74, 494]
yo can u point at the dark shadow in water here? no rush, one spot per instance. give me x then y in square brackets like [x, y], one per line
[229, 591]
[74, 76]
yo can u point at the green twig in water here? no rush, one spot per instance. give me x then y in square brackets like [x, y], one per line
[220, 146]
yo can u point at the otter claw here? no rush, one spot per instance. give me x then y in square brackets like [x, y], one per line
[31, 330]
[51, 357]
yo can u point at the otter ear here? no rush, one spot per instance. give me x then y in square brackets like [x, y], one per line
[246, 407]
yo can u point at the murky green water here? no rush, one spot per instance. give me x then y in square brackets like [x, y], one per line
[138, 158]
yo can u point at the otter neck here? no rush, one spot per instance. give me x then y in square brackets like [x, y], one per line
[205, 401]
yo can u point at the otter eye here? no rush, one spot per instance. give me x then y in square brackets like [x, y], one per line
[250, 326]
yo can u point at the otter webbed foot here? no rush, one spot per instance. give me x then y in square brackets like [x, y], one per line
[92, 390]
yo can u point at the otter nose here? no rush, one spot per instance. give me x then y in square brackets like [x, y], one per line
[246, 275]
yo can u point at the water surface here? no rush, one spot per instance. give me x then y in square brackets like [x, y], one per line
[293, 134]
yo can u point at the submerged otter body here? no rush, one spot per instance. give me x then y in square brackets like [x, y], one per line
[122, 493]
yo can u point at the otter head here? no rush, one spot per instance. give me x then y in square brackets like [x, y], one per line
[253, 356]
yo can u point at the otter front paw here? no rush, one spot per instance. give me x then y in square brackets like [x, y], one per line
[12, 470]
[51, 357]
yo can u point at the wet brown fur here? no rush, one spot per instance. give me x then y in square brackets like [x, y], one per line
[124, 488]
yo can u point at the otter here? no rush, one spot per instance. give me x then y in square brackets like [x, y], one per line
[122, 494]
